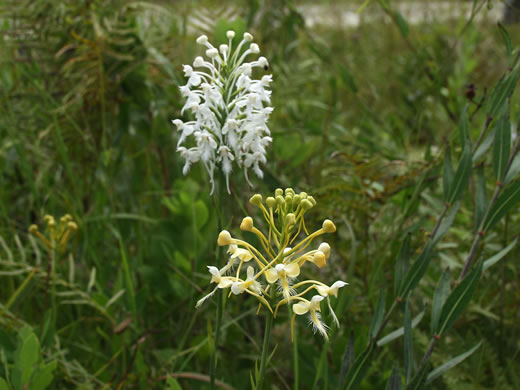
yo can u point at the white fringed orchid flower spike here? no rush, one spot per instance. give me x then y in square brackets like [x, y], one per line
[230, 110]
[272, 271]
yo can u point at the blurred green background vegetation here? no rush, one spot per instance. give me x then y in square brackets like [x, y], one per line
[362, 113]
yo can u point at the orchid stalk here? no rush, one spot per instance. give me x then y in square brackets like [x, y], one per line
[230, 109]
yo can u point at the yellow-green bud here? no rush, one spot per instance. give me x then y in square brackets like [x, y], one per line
[256, 200]
[289, 200]
[224, 238]
[289, 191]
[278, 192]
[280, 200]
[328, 226]
[247, 224]
[296, 200]
[271, 202]
[303, 195]
[306, 205]
[33, 228]
[72, 225]
[312, 200]
[290, 219]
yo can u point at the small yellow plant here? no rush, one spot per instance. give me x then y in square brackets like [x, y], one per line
[56, 234]
[280, 262]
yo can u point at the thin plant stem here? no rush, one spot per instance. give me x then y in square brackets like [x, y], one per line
[296, 363]
[220, 295]
[265, 346]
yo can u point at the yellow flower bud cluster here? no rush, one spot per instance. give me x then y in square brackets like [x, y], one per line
[55, 235]
[285, 248]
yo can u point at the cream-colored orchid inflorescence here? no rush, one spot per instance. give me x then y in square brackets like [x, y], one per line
[230, 109]
[270, 274]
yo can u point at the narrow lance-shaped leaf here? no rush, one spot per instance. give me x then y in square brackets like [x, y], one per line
[464, 127]
[496, 258]
[399, 331]
[484, 146]
[513, 170]
[378, 315]
[446, 222]
[481, 199]
[458, 300]
[408, 344]
[416, 271]
[501, 147]
[402, 263]
[447, 176]
[502, 91]
[439, 298]
[503, 205]
[402, 24]
[461, 178]
[394, 382]
[359, 369]
[450, 364]
[507, 42]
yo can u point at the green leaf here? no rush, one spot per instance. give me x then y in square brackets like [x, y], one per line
[507, 42]
[347, 78]
[439, 298]
[378, 315]
[484, 146]
[481, 201]
[464, 127]
[461, 178]
[446, 223]
[3, 384]
[27, 355]
[503, 205]
[408, 344]
[416, 271]
[402, 263]
[402, 24]
[502, 91]
[394, 382]
[501, 147]
[418, 381]
[447, 177]
[497, 257]
[173, 384]
[399, 331]
[513, 170]
[359, 369]
[458, 300]
[449, 364]
[200, 214]
[43, 377]
[348, 357]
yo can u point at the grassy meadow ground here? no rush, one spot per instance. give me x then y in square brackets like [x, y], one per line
[362, 121]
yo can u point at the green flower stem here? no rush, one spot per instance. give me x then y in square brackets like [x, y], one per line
[267, 340]
[220, 296]
[296, 363]
[213, 360]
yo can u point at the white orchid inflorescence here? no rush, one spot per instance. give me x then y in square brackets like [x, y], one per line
[230, 109]
[281, 261]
